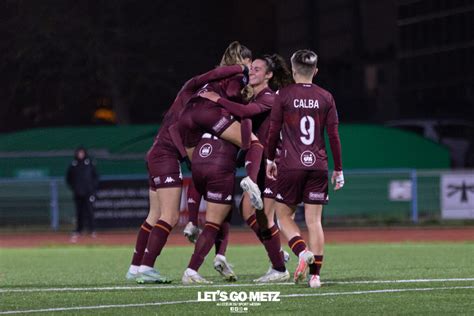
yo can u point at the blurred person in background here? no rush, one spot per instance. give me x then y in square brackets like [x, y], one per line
[83, 180]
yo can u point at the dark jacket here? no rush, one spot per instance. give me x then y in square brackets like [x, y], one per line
[82, 177]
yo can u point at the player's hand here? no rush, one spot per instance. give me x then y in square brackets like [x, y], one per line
[272, 171]
[210, 95]
[338, 177]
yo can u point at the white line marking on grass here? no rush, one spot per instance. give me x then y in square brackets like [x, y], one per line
[379, 291]
[149, 287]
[62, 309]
[400, 281]
[138, 287]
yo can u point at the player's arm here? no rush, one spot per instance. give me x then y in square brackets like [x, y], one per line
[276, 122]
[241, 110]
[332, 127]
[213, 75]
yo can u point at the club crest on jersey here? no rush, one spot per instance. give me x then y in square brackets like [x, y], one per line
[205, 150]
[308, 158]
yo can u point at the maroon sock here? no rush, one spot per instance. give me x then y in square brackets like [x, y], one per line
[203, 245]
[252, 222]
[222, 239]
[140, 245]
[253, 158]
[297, 245]
[271, 241]
[194, 200]
[315, 267]
[246, 133]
[157, 240]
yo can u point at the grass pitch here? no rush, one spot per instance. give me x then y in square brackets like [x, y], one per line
[359, 279]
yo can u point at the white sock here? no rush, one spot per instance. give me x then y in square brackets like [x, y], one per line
[133, 269]
[143, 268]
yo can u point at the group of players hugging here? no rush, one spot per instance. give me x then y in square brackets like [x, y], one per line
[274, 120]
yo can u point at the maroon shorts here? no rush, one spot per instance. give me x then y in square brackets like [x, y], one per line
[164, 168]
[203, 117]
[270, 188]
[308, 186]
[216, 186]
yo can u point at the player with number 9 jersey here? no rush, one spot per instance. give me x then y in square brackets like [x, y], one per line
[303, 111]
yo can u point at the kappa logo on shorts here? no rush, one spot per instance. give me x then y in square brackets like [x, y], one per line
[279, 197]
[205, 150]
[214, 195]
[268, 191]
[228, 198]
[190, 200]
[157, 180]
[169, 180]
[316, 196]
[308, 158]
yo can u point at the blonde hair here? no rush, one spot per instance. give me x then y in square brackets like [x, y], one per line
[304, 62]
[235, 54]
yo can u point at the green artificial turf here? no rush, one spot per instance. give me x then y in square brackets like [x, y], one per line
[44, 278]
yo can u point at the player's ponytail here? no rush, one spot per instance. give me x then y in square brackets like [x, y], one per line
[281, 73]
[235, 55]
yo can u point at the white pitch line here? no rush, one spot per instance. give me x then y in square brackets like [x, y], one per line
[62, 309]
[149, 287]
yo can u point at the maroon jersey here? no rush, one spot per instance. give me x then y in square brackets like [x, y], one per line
[202, 116]
[185, 94]
[217, 153]
[188, 91]
[302, 112]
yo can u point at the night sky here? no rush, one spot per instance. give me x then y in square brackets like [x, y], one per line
[61, 60]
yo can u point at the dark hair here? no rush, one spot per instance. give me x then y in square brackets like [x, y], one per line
[304, 62]
[281, 73]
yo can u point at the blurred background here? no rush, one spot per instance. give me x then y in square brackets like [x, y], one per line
[102, 73]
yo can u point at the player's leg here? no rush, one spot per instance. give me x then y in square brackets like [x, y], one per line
[253, 159]
[290, 190]
[315, 196]
[220, 263]
[215, 215]
[269, 194]
[313, 214]
[249, 215]
[143, 235]
[169, 200]
[191, 231]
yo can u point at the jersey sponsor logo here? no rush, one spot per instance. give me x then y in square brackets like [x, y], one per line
[308, 158]
[306, 103]
[169, 180]
[214, 195]
[220, 124]
[228, 198]
[316, 196]
[205, 150]
[268, 191]
[191, 200]
[279, 197]
[157, 180]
